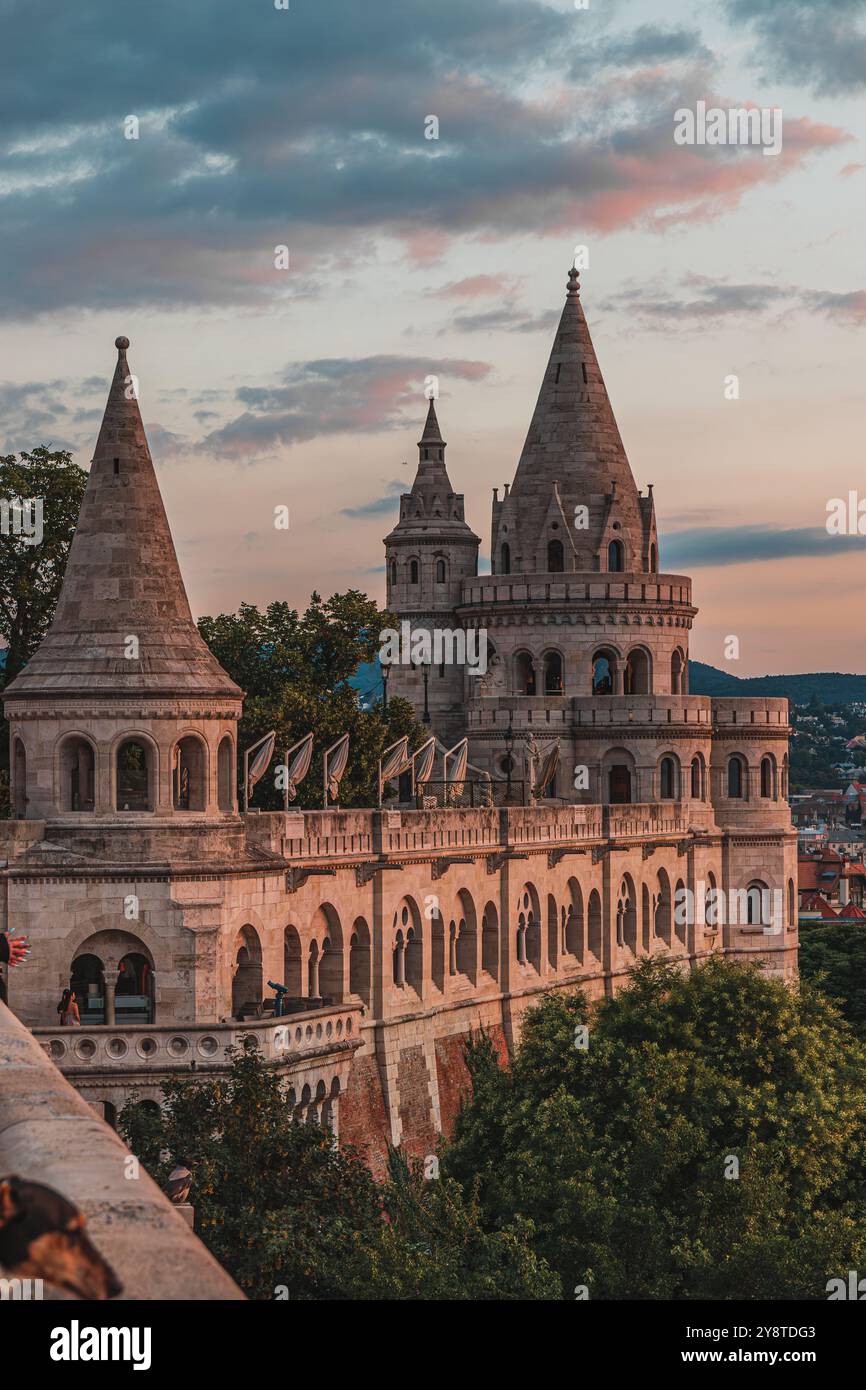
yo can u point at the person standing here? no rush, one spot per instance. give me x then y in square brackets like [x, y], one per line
[68, 1010]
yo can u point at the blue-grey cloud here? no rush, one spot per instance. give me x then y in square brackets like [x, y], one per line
[740, 545]
[818, 42]
[379, 506]
[699, 300]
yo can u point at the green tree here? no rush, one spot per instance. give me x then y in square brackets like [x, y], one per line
[31, 575]
[295, 670]
[621, 1156]
[280, 1205]
[833, 957]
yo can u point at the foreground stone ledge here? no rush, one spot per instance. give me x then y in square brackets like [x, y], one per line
[49, 1134]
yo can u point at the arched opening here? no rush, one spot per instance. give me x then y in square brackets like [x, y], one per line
[555, 557]
[574, 922]
[189, 774]
[604, 672]
[593, 926]
[768, 777]
[711, 902]
[359, 961]
[628, 914]
[135, 791]
[528, 929]
[697, 778]
[663, 908]
[677, 673]
[736, 776]
[440, 571]
[87, 981]
[553, 932]
[292, 971]
[668, 779]
[326, 929]
[681, 912]
[408, 948]
[247, 973]
[133, 992]
[466, 944]
[653, 559]
[77, 771]
[490, 942]
[616, 557]
[552, 673]
[437, 950]
[792, 904]
[505, 559]
[785, 778]
[619, 784]
[226, 773]
[637, 673]
[19, 778]
[646, 919]
[392, 569]
[758, 911]
[413, 571]
[524, 673]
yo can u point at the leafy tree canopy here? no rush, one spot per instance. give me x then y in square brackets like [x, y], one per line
[295, 670]
[620, 1155]
[833, 956]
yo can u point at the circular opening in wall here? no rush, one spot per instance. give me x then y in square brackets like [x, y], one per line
[208, 1046]
[146, 1047]
[86, 1049]
[178, 1046]
[57, 1048]
[118, 1047]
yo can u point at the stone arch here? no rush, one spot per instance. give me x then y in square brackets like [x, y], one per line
[574, 921]
[618, 777]
[711, 901]
[663, 907]
[792, 903]
[681, 912]
[437, 950]
[638, 672]
[467, 938]
[769, 779]
[594, 934]
[524, 673]
[440, 571]
[246, 971]
[326, 933]
[135, 772]
[19, 778]
[408, 969]
[669, 778]
[553, 933]
[646, 919]
[678, 672]
[627, 915]
[120, 963]
[758, 906]
[226, 773]
[552, 666]
[698, 778]
[737, 777]
[490, 941]
[605, 671]
[75, 766]
[360, 961]
[529, 927]
[189, 773]
[293, 962]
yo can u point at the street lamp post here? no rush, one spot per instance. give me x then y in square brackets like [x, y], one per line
[425, 671]
[386, 671]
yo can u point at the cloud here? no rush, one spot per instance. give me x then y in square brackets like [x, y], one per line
[379, 506]
[700, 300]
[740, 545]
[821, 43]
[335, 396]
[305, 127]
[506, 318]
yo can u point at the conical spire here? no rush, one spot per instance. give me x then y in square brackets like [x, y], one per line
[123, 621]
[432, 433]
[432, 505]
[573, 441]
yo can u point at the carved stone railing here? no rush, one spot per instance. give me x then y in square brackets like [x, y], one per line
[646, 819]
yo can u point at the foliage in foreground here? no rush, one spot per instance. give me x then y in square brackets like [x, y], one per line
[617, 1155]
[833, 956]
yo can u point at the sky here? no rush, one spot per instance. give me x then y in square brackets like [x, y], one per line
[156, 158]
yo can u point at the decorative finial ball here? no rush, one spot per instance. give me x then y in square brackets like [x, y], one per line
[122, 343]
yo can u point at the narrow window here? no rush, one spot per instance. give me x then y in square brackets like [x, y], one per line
[558, 370]
[583, 369]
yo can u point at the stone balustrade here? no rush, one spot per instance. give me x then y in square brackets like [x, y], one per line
[576, 589]
[652, 818]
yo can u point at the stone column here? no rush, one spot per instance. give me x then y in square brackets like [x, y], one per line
[110, 978]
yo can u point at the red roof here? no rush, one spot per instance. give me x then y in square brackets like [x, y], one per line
[851, 910]
[813, 902]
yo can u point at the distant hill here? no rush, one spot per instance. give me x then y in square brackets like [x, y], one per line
[831, 687]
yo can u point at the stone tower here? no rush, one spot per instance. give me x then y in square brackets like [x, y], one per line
[429, 554]
[123, 716]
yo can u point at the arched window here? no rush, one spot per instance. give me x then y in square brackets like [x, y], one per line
[785, 778]
[627, 915]
[593, 925]
[189, 775]
[359, 960]
[619, 784]
[440, 571]
[247, 973]
[393, 571]
[637, 673]
[654, 559]
[616, 557]
[758, 910]
[736, 776]
[711, 902]
[134, 777]
[663, 908]
[677, 673]
[226, 774]
[552, 673]
[133, 992]
[524, 674]
[697, 789]
[792, 901]
[505, 559]
[413, 571]
[490, 941]
[77, 764]
[668, 779]
[603, 672]
[768, 778]
[555, 557]
[87, 981]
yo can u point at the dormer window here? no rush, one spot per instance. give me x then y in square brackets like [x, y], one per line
[413, 571]
[616, 557]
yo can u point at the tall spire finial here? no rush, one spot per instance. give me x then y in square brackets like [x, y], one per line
[574, 283]
[121, 344]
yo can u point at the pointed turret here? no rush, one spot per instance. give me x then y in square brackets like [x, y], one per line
[432, 507]
[123, 621]
[573, 452]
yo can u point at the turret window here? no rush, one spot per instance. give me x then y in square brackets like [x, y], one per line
[413, 571]
[505, 559]
[440, 571]
[134, 791]
[77, 763]
[616, 557]
[524, 674]
[736, 777]
[668, 779]
[555, 557]
[552, 673]
[189, 775]
[393, 571]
